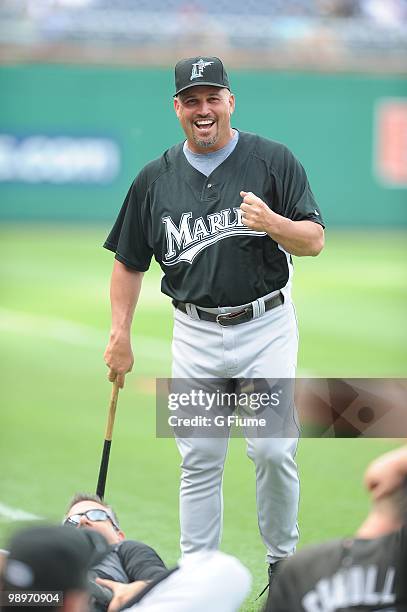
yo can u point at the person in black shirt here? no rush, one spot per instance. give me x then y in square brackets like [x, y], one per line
[131, 575]
[131, 563]
[366, 572]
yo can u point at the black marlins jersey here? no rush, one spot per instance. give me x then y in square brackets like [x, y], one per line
[192, 223]
[345, 575]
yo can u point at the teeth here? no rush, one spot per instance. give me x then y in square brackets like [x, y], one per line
[204, 122]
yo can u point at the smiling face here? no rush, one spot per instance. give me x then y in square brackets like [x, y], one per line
[204, 113]
[106, 527]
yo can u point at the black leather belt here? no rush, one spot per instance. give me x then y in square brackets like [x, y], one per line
[232, 318]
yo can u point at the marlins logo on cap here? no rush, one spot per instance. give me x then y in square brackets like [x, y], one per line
[198, 68]
[200, 71]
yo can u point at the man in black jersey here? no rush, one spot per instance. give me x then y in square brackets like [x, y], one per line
[367, 572]
[222, 213]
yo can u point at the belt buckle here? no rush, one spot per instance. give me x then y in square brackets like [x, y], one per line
[230, 318]
[219, 321]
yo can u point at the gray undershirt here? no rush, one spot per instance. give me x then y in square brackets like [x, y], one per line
[207, 162]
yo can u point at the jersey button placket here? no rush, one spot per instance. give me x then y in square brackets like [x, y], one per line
[209, 192]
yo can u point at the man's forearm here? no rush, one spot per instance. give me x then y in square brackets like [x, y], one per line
[297, 237]
[125, 289]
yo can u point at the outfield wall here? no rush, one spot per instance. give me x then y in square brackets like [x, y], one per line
[72, 138]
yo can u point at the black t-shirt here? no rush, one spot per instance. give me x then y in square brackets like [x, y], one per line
[345, 575]
[192, 223]
[129, 561]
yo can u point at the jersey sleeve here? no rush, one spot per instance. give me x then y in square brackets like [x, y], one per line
[140, 561]
[298, 201]
[129, 235]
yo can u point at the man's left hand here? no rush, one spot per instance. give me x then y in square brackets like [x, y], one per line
[122, 592]
[256, 214]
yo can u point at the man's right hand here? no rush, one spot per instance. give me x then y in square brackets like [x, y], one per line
[122, 592]
[118, 358]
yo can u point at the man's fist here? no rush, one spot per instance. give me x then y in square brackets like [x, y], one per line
[256, 214]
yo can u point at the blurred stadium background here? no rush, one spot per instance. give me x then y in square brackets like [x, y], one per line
[85, 102]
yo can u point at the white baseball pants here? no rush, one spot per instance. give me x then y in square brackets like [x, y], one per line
[207, 580]
[265, 347]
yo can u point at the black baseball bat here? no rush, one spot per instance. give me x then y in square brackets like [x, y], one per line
[104, 463]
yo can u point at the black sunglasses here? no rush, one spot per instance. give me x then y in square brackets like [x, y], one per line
[96, 514]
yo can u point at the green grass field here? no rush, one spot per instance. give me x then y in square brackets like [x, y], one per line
[54, 320]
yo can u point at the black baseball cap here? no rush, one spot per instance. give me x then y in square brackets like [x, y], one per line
[200, 71]
[52, 558]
